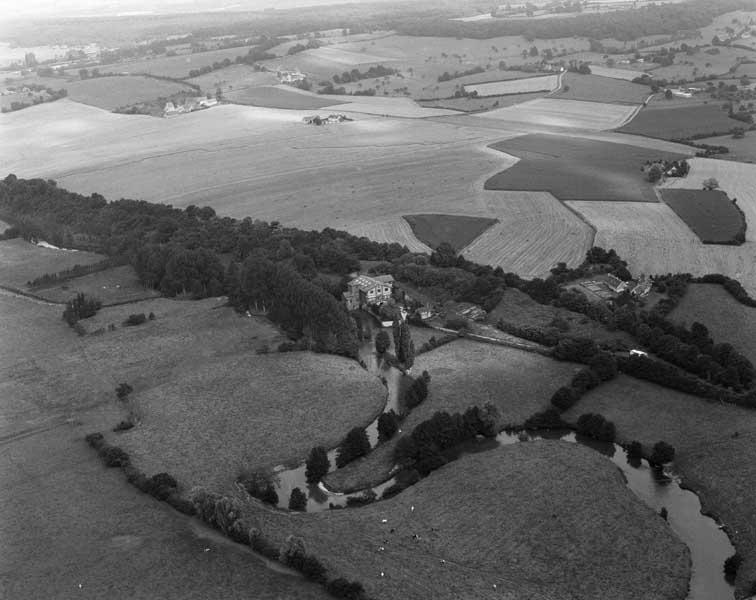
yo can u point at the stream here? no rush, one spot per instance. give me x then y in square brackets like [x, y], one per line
[708, 544]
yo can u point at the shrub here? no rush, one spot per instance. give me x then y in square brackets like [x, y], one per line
[95, 440]
[80, 307]
[581, 350]
[565, 398]
[663, 512]
[354, 445]
[151, 316]
[123, 390]
[604, 365]
[349, 590]
[634, 450]
[298, 500]
[388, 425]
[596, 426]
[417, 392]
[662, 453]
[382, 341]
[136, 319]
[313, 570]
[317, 465]
[123, 426]
[405, 451]
[731, 566]
[113, 456]
[547, 419]
[260, 486]
[292, 552]
[181, 504]
[261, 545]
[456, 323]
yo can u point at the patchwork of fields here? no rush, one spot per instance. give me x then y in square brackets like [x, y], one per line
[21, 261]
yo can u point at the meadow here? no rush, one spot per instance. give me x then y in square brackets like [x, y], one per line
[551, 512]
[514, 86]
[726, 318]
[233, 78]
[456, 230]
[576, 169]
[115, 92]
[276, 97]
[614, 73]
[715, 449]
[22, 261]
[741, 150]
[710, 214]
[595, 88]
[680, 122]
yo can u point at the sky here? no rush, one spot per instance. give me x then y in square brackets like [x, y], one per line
[10, 9]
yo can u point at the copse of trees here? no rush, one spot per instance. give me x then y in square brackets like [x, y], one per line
[80, 307]
[417, 392]
[317, 465]
[353, 446]
[373, 72]
[388, 425]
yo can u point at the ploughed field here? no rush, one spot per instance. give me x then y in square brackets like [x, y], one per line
[681, 122]
[710, 214]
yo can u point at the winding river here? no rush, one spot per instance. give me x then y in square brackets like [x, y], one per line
[709, 545]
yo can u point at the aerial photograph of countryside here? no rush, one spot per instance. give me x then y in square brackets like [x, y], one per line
[378, 300]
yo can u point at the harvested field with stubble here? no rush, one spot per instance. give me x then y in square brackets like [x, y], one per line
[571, 114]
[595, 88]
[680, 122]
[654, 240]
[514, 86]
[535, 232]
[465, 373]
[393, 230]
[22, 261]
[110, 93]
[727, 319]
[715, 450]
[577, 169]
[455, 230]
[710, 214]
[250, 411]
[114, 285]
[535, 520]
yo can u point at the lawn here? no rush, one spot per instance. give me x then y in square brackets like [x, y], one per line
[715, 449]
[276, 97]
[601, 89]
[681, 123]
[465, 373]
[534, 520]
[21, 261]
[456, 230]
[727, 319]
[117, 284]
[577, 169]
[114, 92]
[710, 214]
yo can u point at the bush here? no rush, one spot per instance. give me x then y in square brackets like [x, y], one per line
[261, 545]
[297, 500]
[313, 570]
[382, 341]
[180, 504]
[354, 445]
[260, 486]
[456, 323]
[349, 590]
[581, 350]
[596, 426]
[634, 450]
[317, 465]
[95, 440]
[604, 365]
[388, 425]
[123, 426]
[80, 307]
[662, 453]
[547, 419]
[731, 566]
[123, 390]
[417, 392]
[113, 456]
[565, 398]
[584, 380]
[133, 320]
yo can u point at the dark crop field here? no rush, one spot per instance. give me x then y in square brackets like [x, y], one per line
[577, 169]
[681, 122]
[457, 230]
[601, 89]
[710, 214]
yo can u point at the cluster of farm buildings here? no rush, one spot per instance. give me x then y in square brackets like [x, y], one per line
[188, 105]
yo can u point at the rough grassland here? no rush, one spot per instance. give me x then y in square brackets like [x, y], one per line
[535, 232]
[514, 86]
[742, 150]
[249, 410]
[463, 374]
[680, 123]
[625, 74]
[541, 520]
[119, 284]
[21, 261]
[233, 77]
[276, 97]
[727, 319]
[564, 113]
[576, 169]
[69, 527]
[456, 230]
[601, 89]
[738, 180]
[719, 465]
[710, 214]
[654, 240]
[113, 92]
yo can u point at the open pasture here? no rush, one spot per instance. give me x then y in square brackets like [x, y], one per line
[741, 150]
[715, 449]
[22, 261]
[536, 520]
[654, 240]
[233, 77]
[710, 214]
[572, 114]
[114, 92]
[680, 122]
[455, 230]
[276, 97]
[535, 232]
[468, 104]
[576, 168]
[514, 86]
[595, 88]
[738, 180]
[727, 319]
[614, 73]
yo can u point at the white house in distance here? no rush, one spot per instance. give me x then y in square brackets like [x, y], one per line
[364, 290]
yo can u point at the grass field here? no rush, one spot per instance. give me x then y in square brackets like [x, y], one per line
[626, 74]
[21, 261]
[654, 240]
[456, 230]
[514, 86]
[118, 284]
[276, 97]
[736, 179]
[465, 373]
[710, 457]
[114, 92]
[576, 169]
[233, 78]
[468, 104]
[680, 123]
[535, 232]
[726, 318]
[564, 113]
[596, 88]
[710, 214]
[558, 521]
[742, 150]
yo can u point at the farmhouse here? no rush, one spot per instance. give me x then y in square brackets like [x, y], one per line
[290, 76]
[616, 284]
[367, 291]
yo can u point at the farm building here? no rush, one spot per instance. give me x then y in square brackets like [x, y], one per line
[367, 291]
[616, 284]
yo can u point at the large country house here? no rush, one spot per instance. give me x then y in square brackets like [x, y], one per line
[365, 291]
